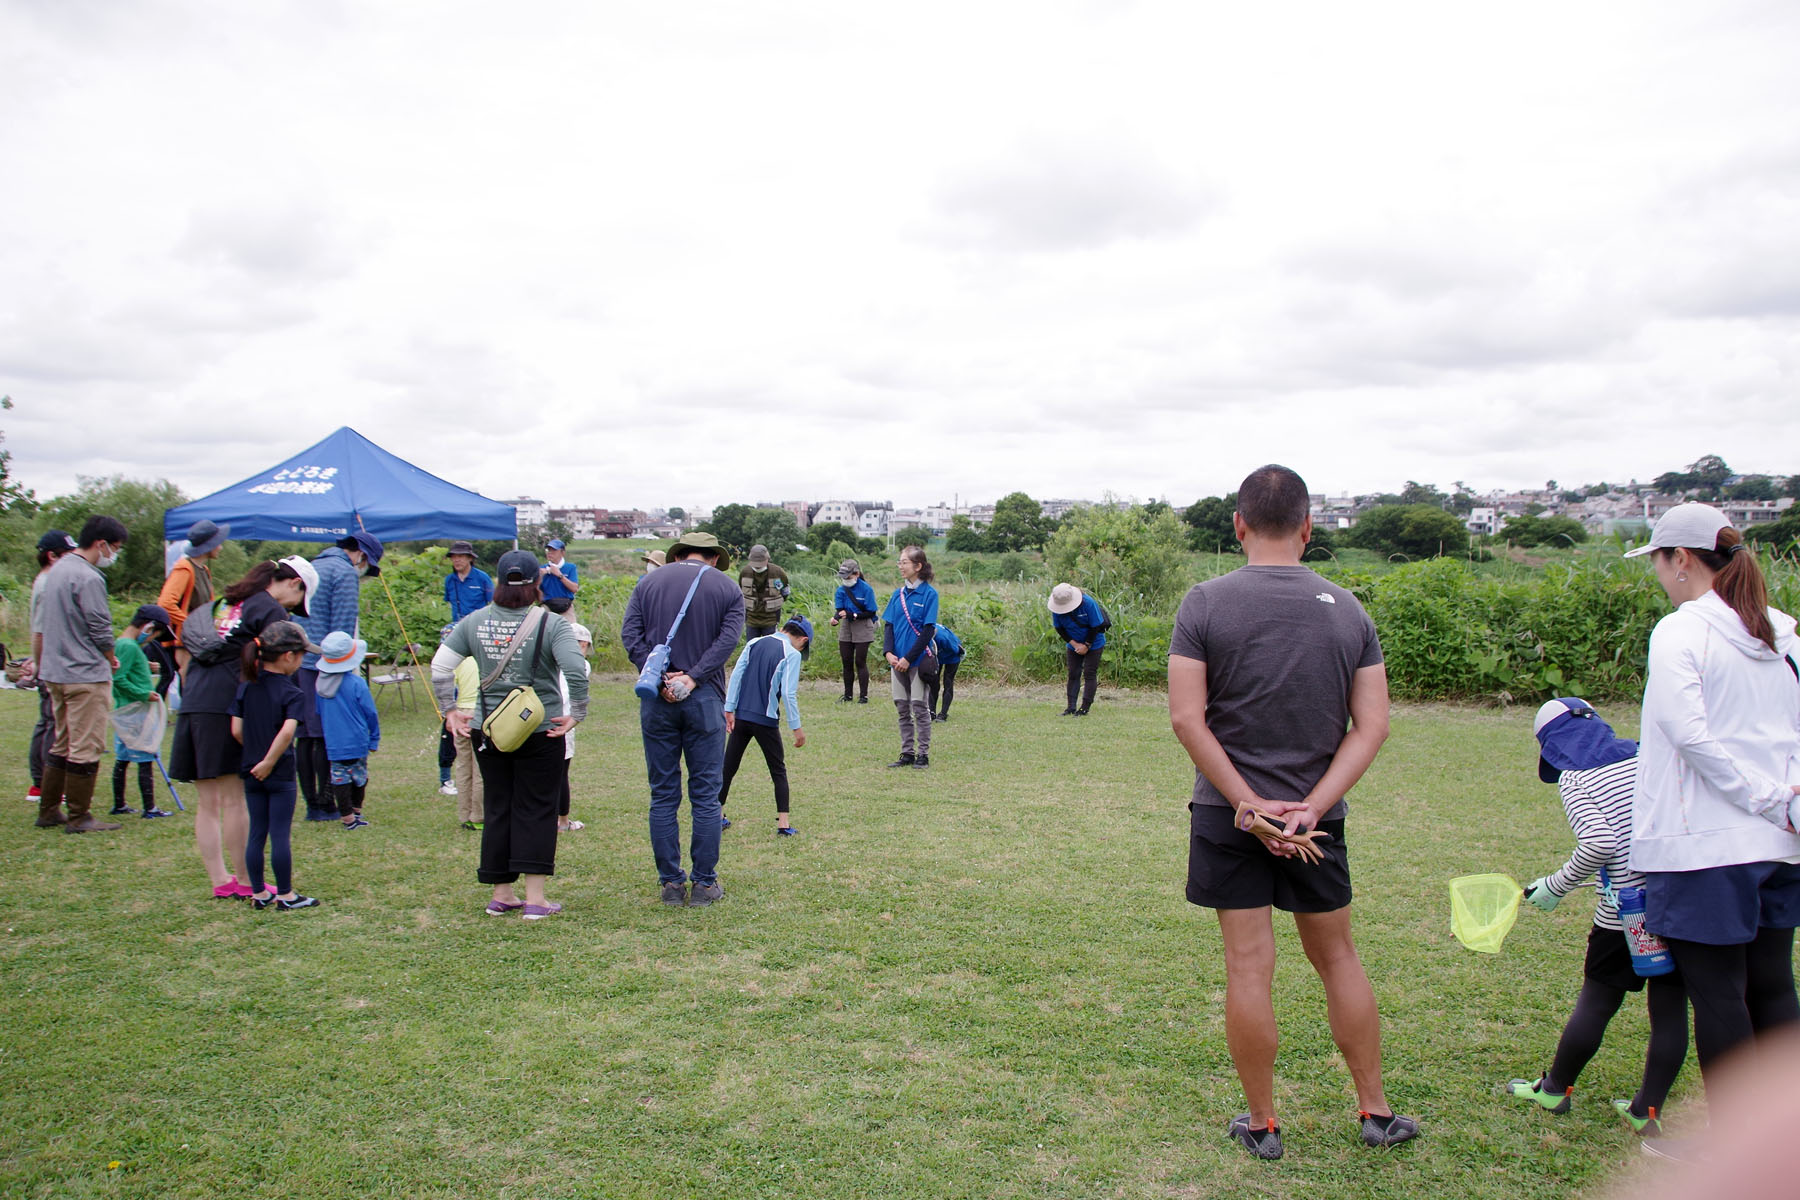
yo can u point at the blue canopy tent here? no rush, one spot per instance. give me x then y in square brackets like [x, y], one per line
[343, 484]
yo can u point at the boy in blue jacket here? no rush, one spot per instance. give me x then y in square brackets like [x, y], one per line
[950, 656]
[1082, 625]
[352, 728]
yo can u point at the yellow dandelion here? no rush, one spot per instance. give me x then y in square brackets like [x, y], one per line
[113, 1165]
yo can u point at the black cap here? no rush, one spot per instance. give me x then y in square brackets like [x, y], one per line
[56, 541]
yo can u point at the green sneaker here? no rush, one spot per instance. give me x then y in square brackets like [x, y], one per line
[1648, 1126]
[1533, 1090]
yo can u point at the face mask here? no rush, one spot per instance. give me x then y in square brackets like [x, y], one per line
[362, 569]
[110, 559]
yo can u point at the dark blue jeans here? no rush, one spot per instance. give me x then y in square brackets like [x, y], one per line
[694, 728]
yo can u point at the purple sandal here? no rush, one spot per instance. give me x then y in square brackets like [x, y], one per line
[497, 908]
[537, 912]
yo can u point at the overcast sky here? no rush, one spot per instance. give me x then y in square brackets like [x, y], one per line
[690, 253]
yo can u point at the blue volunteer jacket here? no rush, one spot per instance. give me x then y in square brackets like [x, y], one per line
[1081, 625]
[468, 595]
[858, 601]
[910, 622]
[949, 646]
[767, 672]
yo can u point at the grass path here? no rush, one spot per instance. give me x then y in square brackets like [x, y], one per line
[979, 980]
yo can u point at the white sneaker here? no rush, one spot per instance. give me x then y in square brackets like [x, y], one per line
[447, 789]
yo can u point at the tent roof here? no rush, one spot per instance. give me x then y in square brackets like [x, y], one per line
[319, 495]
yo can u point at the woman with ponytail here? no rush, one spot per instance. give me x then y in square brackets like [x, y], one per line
[1715, 805]
[223, 651]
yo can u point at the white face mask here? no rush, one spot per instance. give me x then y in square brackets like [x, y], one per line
[110, 559]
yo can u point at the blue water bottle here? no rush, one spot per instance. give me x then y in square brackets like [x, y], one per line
[1650, 956]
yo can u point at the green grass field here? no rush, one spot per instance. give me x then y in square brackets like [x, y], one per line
[977, 981]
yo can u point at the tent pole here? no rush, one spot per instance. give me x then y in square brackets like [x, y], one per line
[395, 609]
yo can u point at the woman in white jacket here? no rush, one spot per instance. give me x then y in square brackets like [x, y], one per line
[1713, 812]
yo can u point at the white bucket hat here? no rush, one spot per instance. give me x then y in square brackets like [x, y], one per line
[1065, 598]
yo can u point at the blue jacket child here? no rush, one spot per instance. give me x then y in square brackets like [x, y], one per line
[352, 727]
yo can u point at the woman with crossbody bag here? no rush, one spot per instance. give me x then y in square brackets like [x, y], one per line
[909, 628]
[522, 720]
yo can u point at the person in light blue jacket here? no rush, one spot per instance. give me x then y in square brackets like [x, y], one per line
[1082, 625]
[352, 727]
[766, 678]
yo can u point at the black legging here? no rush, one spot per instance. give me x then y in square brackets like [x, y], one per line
[946, 680]
[769, 738]
[1084, 675]
[855, 657]
[313, 770]
[1594, 1007]
[565, 796]
[271, 808]
[146, 785]
[1739, 992]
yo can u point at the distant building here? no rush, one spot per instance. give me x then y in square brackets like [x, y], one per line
[1745, 513]
[874, 520]
[841, 511]
[801, 510]
[1484, 520]
[530, 512]
[1057, 509]
[901, 518]
[937, 518]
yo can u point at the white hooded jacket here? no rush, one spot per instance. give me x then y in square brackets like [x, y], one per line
[1719, 744]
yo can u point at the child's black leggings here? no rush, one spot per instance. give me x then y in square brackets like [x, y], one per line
[271, 808]
[1594, 1007]
[146, 784]
[1739, 992]
[774, 754]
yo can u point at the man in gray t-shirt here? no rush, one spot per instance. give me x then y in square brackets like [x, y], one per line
[1278, 693]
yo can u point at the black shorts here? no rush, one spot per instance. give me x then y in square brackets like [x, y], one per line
[1228, 868]
[204, 748]
[1609, 960]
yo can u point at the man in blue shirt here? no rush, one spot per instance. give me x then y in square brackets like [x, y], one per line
[687, 720]
[466, 589]
[559, 579]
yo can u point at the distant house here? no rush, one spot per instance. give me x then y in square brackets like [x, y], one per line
[841, 511]
[1745, 513]
[531, 512]
[1485, 521]
[874, 520]
[801, 510]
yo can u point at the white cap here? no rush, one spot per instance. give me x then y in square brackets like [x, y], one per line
[1693, 526]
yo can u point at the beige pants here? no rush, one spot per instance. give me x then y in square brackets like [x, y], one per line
[80, 712]
[469, 801]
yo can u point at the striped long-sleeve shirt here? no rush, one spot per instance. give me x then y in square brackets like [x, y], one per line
[1598, 804]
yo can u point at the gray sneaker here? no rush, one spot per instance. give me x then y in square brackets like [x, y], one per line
[674, 894]
[704, 894]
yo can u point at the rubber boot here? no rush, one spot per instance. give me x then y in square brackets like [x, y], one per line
[50, 813]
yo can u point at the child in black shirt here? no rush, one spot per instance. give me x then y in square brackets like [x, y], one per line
[265, 716]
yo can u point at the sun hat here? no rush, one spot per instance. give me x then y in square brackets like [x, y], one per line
[340, 652]
[148, 613]
[1686, 526]
[517, 566]
[204, 537]
[699, 539]
[284, 636]
[655, 558]
[555, 544]
[460, 547]
[1572, 737]
[309, 576]
[584, 634]
[55, 541]
[849, 567]
[758, 556]
[1065, 598]
[368, 543]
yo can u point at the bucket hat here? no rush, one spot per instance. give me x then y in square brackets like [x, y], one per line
[460, 547]
[699, 539]
[340, 652]
[1065, 598]
[205, 537]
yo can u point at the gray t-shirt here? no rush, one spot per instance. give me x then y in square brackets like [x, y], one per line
[1281, 646]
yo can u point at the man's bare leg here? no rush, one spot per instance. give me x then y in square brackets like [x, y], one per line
[1250, 1031]
[1349, 1001]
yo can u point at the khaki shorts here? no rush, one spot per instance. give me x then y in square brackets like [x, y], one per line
[916, 678]
[80, 711]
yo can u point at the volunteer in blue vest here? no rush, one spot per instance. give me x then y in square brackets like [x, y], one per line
[856, 617]
[559, 579]
[767, 677]
[334, 608]
[909, 627]
[949, 649]
[467, 589]
[1082, 625]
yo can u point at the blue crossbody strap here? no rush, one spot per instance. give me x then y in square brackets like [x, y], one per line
[692, 588]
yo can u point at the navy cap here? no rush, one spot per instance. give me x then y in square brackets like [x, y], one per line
[554, 544]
